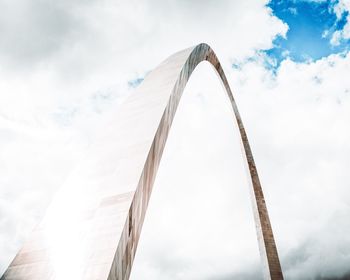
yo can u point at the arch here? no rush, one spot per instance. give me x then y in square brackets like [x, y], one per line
[190, 58]
[117, 184]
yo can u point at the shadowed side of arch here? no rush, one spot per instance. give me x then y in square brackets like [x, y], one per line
[126, 250]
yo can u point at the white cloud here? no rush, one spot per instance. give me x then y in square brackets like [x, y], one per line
[340, 8]
[64, 69]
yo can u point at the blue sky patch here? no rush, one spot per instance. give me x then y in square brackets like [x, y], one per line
[135, 82]
[311, 25]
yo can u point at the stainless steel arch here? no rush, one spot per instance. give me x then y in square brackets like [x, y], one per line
[101, 228]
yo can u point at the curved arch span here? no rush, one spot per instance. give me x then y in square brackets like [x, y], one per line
[92, 228]
[188, 60]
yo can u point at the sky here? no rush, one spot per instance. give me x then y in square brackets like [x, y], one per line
[66, 66]
[313, 29]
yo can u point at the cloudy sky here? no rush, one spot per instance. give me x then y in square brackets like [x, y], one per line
[66, 66]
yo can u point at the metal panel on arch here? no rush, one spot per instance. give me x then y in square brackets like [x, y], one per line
[92, 227]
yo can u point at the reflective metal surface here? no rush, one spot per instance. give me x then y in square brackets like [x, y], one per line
[92, 227]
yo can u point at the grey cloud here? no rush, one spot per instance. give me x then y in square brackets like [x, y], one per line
[33, 30]
[324, 254]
